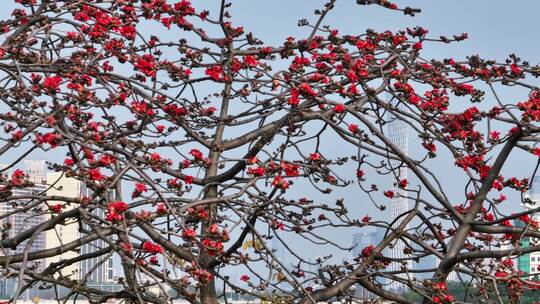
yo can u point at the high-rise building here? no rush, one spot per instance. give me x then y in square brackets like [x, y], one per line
[359, 242]
[26, 213]
[23, 214]
[424, 264]
[364, 239]
[530, 262]
[94, 271]
[30, 213]
[282, 255]
[398, 135]
[428, 265]
[60, 185]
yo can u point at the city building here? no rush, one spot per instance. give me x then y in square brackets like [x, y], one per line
[95, 272]
[360, 241]
[364, 239]
[430, 262]
[530, 262]
[32, 213]
[423, 264]
[398, 135]
[23, 214]
[69, 231]
[283, 257]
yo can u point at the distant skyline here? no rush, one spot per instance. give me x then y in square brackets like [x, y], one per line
[93, 270]
[496, 29]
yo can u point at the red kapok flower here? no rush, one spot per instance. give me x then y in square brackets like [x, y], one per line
[294, 100]
[118, 206]
[128, 32]
[389, 193]
[500, 274]
[188, 179]
[161, 208]
[154, 260]
[147, 65]
[52, 83]
[280, 182]
[353, 128]
[141, 262]
[339, 108]
[367, 251]
[17, 135]
[315, 156]
[189, 233]
[56, 208]
[17, 177]
[290, 169]
[449, 298]
[95, 174]
[209, 111]
[115, 211]
[186, 163]
[140, 187]
[440, 286]
[403, 183]
[126, 247]
[256, 171]
[196, 153]
[494, 135]
[215, 72]
[214, 228]
[51, 138]
[106, 159]
[516, 70]
[250, 61]
[151, 248]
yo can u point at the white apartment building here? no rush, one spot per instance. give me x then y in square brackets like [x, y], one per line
[32, 214]
[95, 272]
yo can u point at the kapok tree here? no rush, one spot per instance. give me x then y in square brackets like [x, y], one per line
[202, 146]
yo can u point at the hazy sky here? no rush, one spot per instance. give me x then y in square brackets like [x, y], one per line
[496, 29]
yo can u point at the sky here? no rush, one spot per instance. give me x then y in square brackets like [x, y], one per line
[496, 29]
